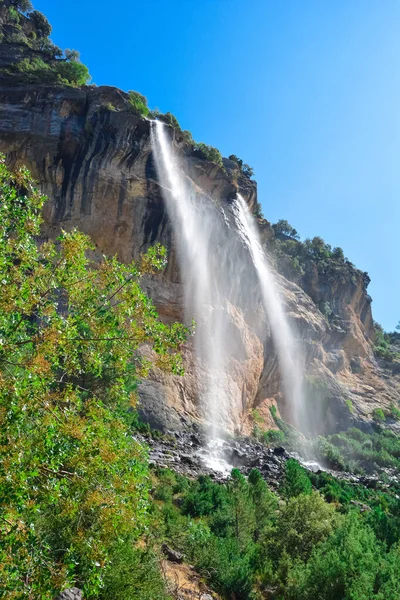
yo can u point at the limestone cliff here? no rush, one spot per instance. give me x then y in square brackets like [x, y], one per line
[91, 155]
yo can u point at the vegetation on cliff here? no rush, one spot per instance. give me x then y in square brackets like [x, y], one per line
[387, 345]
[41, 61]
[297, 259]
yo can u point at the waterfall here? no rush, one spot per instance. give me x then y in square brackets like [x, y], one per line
[197, 227]
[214, 244]
[288, 354]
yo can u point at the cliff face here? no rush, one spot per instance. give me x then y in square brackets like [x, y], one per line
[91, 155]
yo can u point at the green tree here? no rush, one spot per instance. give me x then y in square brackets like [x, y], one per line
[296, 480]
[209, 153]
[22, 5]
[284, 229]
[247, 170]
[305, 521]
[388, 580]
[264, 501]
[236, 159]
[242, 509]
[41, 23]
[73, 481]
[139, 103]
[345, 566]
[171, 120]
[73, 72]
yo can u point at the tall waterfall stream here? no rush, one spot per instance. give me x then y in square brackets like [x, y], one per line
[208, 236]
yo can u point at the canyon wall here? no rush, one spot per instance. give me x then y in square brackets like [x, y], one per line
[91, 155]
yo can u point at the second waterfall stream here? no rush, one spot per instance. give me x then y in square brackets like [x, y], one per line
[213, 244]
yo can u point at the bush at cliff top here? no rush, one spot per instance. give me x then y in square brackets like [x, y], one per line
[72, 72]
[36, 70]
[209, 153]
[41, 23]
[139, 103]
[23, 5]
[298, 260]
[73, 481]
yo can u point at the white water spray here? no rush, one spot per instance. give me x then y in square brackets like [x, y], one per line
[213, 245]
[288, 354]
[196, 227]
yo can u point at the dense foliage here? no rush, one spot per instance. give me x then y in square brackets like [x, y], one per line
[298, 260]
[139, 103]
[245, 169]
[387, 345]
[357, 451]
[73, 482]
[209, 153]
[44, 62]
[338, 543]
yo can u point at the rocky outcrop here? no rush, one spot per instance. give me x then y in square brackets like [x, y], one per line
[91, 155]
[70, 594]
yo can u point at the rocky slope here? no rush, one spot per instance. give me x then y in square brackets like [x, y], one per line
[90, 153]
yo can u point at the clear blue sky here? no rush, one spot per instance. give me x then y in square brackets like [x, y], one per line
[306, 91]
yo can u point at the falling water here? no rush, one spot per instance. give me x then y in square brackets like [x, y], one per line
[288, 354]
[197, 228]
[213, 245]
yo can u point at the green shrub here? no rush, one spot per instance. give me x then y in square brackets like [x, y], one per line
[209, 153]
[204, 497]
[274, 412]
[36, 70]
[73, 72]
[329, 454]
[171, 120]
[257, 211]
[61, 71]
[257, 418]
[13, 14]
[236, 160]
[139, 103]
[273, 436]
[109, 106]
[51, 49]
[187, 136]
[247, 171]
[133, 573]
[395, 412]
[378, 414]
[41, 23]
[154, 113]
[349, 405]
[22, 5]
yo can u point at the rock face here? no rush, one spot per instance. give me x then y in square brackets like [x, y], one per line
[91, 155]
[70, 594]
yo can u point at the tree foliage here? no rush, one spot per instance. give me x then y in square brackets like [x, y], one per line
[22, 5]
[209, 153]
[138, 103]
[296, 480]
[72, 72]
[41, 23]
[283, 229]
[73, 482]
